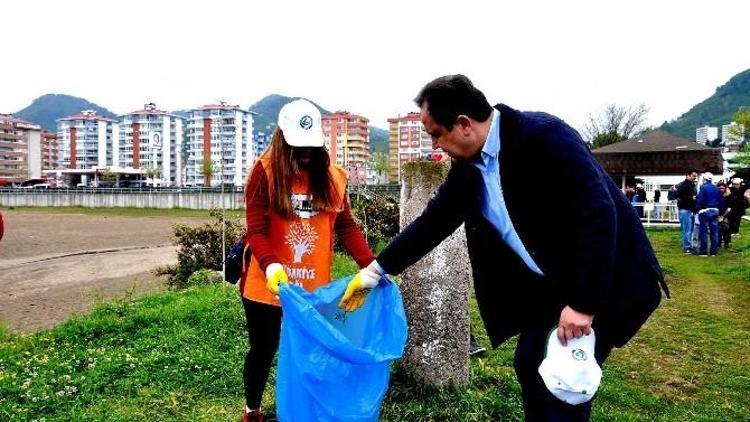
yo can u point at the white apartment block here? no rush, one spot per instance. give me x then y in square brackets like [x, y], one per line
[157, 136]
[729, 135]
[222, 133]
[704, 134]
[86, 140]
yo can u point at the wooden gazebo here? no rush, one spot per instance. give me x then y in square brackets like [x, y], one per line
[657, 153]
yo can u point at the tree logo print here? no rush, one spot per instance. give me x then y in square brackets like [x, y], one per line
[301, 238]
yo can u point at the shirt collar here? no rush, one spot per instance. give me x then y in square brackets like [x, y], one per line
[492, 143]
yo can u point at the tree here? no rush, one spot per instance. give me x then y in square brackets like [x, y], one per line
[604, 139]
[614, 124]
[207, 170]
[742, 159]
[742, 130]
[152, 172]
[380, 163]
[108, 175]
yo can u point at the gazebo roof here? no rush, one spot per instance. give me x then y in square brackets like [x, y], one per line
[658, 153]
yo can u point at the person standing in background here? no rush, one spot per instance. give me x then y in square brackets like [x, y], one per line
[685, 191]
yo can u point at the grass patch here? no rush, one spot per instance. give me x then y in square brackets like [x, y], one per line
[178, 356]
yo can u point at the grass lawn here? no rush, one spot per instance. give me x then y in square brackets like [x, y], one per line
[178, 356]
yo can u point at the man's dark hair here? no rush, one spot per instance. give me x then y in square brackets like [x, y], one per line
[690, 171]
[447, 97]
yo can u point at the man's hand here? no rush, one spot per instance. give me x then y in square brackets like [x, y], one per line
[573, 324]
[275, 275]
[359, 286]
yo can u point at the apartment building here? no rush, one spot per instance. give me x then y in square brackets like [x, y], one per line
[86, 140]
[407, 141]
[50, 151]
[151, 139]
[347, 137]
[20, 149]
[219, 142]
[705, 134]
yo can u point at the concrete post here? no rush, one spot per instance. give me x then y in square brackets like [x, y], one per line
[435, 291]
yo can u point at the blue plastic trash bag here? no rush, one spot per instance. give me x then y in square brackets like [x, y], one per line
[334, 365]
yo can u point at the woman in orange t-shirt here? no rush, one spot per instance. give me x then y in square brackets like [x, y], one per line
[296, 204]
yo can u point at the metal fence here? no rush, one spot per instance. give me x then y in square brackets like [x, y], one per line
[654, 214]
[658, 214]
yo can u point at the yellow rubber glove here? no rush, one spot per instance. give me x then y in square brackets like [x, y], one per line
[359, 286]
[275, 275]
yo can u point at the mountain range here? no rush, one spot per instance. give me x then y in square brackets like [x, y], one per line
[46, 109]
[716, 110]
[268, 108]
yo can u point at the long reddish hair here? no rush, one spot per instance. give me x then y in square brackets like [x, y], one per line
[284, 167]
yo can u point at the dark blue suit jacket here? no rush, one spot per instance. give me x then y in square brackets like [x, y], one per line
[574, 221]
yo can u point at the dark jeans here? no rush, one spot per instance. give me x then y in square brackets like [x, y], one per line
[263, 330]
[709, 219]
[538, 403]
[725, 234]
[735, 218]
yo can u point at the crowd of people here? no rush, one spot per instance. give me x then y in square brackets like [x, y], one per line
[711, 211]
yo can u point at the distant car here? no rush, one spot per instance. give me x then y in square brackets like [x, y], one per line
[41, 186]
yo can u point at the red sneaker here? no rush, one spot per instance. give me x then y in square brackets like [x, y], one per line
[253, 416]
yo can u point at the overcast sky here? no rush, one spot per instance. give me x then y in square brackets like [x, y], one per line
[569, 58]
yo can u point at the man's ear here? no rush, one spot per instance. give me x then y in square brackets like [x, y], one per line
[464, 123]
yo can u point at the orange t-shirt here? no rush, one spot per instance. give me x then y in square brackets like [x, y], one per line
[303, 243]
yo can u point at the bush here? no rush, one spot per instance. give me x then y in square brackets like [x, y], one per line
[200, 247]
[378, 216]
[204, 277]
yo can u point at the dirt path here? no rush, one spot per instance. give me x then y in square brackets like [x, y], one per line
[56, 265]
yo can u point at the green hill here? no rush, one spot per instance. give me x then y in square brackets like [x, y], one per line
[378, 139]
[716, 110]
[46, 109]
[268, 108]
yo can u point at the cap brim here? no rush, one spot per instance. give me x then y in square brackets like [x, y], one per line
[305, 141]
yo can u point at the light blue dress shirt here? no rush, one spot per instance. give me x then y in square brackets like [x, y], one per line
[493, 202]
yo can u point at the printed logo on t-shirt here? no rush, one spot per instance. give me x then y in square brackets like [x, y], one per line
[302, 205]
[301, 238]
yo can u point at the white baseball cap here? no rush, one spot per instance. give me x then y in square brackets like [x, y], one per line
[300, 122]
[708, 175]
[571, 372]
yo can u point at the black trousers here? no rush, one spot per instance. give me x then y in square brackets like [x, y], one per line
[263, 330]
[735, 219]
[725, 235]
[538, 403]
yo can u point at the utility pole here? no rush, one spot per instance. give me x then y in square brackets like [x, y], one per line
[223, 207]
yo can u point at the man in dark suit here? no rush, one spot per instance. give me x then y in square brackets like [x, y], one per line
[573, 259]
